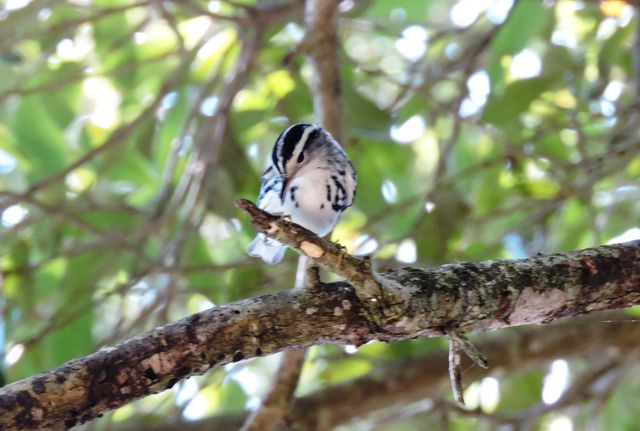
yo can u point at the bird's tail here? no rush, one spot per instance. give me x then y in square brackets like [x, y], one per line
[267, 249]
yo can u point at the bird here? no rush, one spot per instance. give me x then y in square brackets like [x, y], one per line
[309, 180]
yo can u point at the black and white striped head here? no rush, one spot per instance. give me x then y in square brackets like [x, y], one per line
[296, 146]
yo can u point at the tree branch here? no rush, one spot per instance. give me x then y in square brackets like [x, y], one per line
[406, 381]
[635, 52]
[276, 404]
[118, 137]
[323, 252]
[468, 296]
[322, 46]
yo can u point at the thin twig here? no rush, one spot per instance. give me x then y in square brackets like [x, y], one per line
[9, 40]
[116, 138]
[455, 373]
[635, 53]
[324, 252]
[458, 343]
[276, 405]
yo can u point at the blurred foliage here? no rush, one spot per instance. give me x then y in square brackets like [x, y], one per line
[479, 129]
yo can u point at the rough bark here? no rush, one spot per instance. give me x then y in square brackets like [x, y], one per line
[406, 381]
[472, 296]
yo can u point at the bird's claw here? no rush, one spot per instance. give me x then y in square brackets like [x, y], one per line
[343, 251]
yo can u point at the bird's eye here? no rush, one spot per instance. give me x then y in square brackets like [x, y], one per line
[301, 157]
[315, 134]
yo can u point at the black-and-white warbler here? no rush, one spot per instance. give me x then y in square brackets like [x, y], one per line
[310, 179]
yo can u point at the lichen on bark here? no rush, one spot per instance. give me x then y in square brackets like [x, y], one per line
[472, 296]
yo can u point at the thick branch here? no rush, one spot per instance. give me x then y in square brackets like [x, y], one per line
[403, 382]
[471, 296]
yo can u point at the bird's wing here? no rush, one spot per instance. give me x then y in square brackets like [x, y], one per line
[270, 191]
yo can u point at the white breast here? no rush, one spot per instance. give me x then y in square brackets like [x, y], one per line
[306, 201]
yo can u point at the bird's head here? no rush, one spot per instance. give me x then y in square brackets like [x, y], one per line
[294, 147]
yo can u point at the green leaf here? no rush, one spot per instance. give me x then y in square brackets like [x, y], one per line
[506, 108]
[410, 9]
[232, 398]
[346, 369]
[363, 114]
[620, 409]
[132, 167]
[110, 220]
[40, 141]
[568, 232]
[612, 50]
[520, 391]
[559, 60]
[442, 225]
[115, 48]
[62, 103]
[552, 145]
[527, 20]
[171, 127]
[296, 104]
[486, 187]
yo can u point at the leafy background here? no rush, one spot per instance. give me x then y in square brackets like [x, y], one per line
[479, 129]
